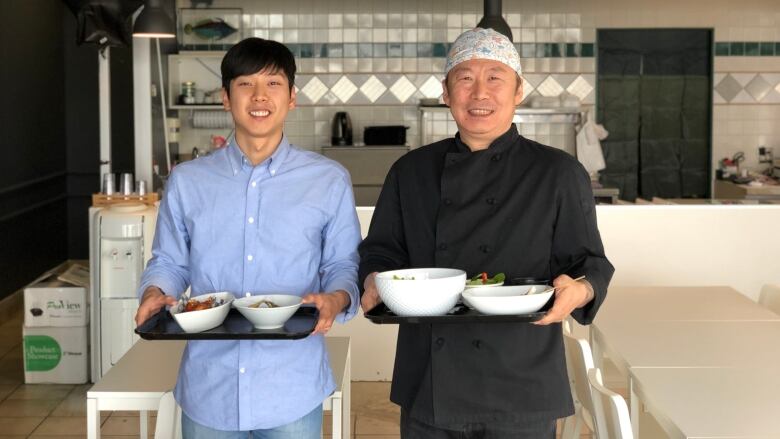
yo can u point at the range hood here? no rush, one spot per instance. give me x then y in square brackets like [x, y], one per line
[494, 20]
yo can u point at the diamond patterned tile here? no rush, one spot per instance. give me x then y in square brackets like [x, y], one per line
[564, 79]
[533, 79]
[580, 88]
[373, 88]
[742, 98]
[773, 97]
[549, 87]
[314, 89]
[743, 78]
[344, 89]
[402, 89]
[431, 88]
[772, 78]
[758, 88]
[527, 90]
[728, 88]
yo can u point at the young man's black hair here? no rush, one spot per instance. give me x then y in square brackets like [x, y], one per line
[254, 55]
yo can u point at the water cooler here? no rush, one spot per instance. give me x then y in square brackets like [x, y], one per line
[120, 244]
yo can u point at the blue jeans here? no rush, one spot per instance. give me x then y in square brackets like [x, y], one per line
[307, 427]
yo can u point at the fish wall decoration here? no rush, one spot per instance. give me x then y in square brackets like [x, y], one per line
[211, 29]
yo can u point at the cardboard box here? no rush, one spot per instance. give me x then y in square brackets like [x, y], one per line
[55, 355]
[52, 302]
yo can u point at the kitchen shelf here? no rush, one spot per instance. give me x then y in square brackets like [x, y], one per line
[526, 114]
[560, 124]
[196, 107]
[201, 67]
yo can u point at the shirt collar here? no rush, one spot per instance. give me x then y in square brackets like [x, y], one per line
[501, 143]
[238, 161]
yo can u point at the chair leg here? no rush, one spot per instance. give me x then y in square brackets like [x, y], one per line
[572, 425]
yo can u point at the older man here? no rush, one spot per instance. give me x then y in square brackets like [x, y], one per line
[487, 200]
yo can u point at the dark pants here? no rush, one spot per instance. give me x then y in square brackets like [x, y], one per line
[414, 429]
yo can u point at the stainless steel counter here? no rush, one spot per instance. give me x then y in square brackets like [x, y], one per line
[368, 166]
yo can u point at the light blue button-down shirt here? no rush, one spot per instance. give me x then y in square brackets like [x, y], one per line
[287, 225]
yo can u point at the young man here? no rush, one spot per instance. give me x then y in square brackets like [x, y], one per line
[258, 216]
[491, 201]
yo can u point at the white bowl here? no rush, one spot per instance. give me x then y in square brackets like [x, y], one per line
[203, 320]
[268, 318]
[432, 292]
[468, 287]
[506, 299]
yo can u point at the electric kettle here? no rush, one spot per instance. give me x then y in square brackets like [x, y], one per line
[342, 129]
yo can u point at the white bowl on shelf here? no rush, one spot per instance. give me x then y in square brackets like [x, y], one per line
[203, 320]
[421, 291]
[507, 300]
[268, 318]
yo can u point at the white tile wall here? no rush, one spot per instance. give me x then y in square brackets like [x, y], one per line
[748, 119]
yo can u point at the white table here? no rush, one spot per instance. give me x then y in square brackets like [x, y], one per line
[711, 403]
[717, 303]
[628, 308]
[689, 344]
[130, 386]
[693, 328]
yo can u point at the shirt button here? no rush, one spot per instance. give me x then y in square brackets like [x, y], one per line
[496, 157]
[254, 183]
[477, 343]
[447, 201]
[491, 201]
[442, 246]
[242, 370]
[251, 220]
[484, 248]
[273, 172]
[249, 258]
[440, 341]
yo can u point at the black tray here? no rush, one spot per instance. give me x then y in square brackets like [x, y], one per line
[380, 314]
[162, 326]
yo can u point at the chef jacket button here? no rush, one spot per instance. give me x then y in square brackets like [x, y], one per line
[440, 341]
[496, 157]
[442, 246]
[477, 343]
[491, 201]
[447, 201]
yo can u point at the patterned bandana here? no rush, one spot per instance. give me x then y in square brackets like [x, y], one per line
[481, 43]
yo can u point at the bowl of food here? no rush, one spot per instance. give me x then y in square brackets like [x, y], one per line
[483, 280]
[203, 312]
[268, 311]
[503, 300]
[420, 291]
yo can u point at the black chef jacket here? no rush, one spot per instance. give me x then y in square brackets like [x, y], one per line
[517, 207]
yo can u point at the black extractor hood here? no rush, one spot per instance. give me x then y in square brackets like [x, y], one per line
[494, 20]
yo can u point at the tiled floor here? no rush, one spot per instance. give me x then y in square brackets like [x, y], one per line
[59, 411]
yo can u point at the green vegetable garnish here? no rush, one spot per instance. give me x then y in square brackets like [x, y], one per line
[396, 277]
[482, 279]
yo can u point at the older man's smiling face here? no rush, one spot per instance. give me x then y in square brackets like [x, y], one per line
[482, 95]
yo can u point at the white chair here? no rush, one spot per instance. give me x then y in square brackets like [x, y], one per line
[579, 360]
[168, 424]
[770, 297]
[610, 409]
